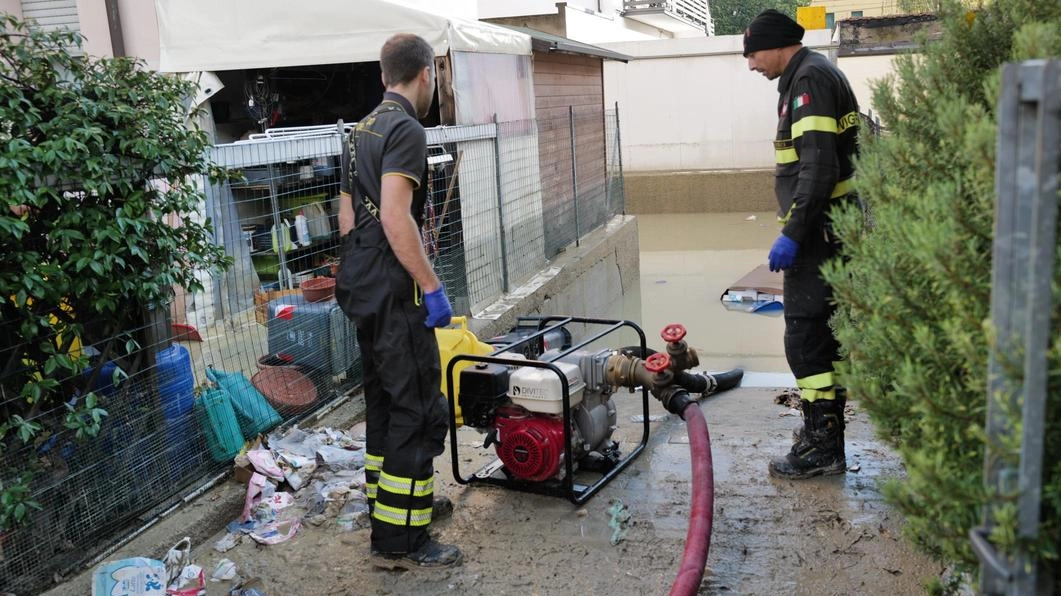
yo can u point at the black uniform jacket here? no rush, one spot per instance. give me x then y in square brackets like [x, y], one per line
[817, 141]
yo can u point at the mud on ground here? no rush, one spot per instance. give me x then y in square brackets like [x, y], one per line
[824, 536]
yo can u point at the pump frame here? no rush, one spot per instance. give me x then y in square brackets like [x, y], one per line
[566, 487]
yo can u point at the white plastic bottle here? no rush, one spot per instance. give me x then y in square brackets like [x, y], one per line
[302, 229]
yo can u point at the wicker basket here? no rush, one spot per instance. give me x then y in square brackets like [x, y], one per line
[318, 289]
[286, 389]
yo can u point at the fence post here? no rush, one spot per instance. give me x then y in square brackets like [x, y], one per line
[1029, 133]
[500, 206]
[619, 156]
[574, 169]
[278, 229]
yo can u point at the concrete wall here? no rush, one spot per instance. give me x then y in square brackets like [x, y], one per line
[697, 126]
[862, 71]
[92, 15]
[12, 7]
[139, 29]
[692, 104]
[594, 27]
[709, 191]
[870, 8]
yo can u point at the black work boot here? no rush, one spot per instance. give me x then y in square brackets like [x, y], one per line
[841, 395]
[432, 555]
[820, 450]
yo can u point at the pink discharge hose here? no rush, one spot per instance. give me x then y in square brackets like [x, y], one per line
[701, 510]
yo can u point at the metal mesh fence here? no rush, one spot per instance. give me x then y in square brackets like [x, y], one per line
[499, 207]
[580, 163]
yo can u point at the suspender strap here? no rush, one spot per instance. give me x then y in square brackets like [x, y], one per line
[366, 201]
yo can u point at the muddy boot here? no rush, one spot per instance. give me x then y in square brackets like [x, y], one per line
[841, 394]
[432, 555]
[820, 450]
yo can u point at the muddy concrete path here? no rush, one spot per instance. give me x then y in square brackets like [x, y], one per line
[825, 536]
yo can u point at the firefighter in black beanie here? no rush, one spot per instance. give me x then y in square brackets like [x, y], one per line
[814, 150]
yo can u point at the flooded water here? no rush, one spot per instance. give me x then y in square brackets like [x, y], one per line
[687, 262]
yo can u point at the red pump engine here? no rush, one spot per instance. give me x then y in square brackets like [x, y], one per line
[521, 409]
[530, 445]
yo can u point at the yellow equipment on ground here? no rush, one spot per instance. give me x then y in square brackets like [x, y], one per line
[458, 340]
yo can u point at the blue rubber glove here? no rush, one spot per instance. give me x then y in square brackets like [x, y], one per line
[439, 310]
[783, 253]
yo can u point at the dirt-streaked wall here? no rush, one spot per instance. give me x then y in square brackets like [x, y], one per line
[699, 192]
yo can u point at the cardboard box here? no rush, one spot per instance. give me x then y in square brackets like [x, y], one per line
[757, 281]
[242, 470]
[760, 291]
[261, 303]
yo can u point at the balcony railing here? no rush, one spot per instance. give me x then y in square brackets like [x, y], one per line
[670, 15]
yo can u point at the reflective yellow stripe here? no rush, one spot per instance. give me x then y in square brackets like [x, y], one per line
[784, 156]
[400, 486]
[391, 515]
[370, 490]
[373, 463]
[842, 188]
[816, 394]
[421, 517]
[849, 120]
[398, 517]
[815, 123]
[818, 381]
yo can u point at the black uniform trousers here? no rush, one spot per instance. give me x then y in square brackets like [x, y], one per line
[810, 346]
[407, 415]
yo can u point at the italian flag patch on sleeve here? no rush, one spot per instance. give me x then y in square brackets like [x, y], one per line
[800, 101]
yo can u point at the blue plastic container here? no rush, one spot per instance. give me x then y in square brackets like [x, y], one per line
[176, 394]
[176, 384]
[104, 383]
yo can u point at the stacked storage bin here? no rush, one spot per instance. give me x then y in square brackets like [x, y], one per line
[316, 335]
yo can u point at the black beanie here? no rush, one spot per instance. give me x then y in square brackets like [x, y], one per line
[770, 30]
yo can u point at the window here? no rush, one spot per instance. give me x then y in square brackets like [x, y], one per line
[830, 20]
[856, 14]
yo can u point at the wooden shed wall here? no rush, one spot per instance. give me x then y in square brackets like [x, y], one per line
[563, 82]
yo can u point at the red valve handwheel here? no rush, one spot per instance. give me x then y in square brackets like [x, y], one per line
[657, 362]
[674, 332]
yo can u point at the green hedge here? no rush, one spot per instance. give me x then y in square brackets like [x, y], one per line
[913, 293]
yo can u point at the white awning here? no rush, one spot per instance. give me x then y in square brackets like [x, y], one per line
[237, 34]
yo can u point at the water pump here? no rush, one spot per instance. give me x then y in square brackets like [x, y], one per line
[521, 409]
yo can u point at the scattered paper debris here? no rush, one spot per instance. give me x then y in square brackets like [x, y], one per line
[225, 570]
[228, 542]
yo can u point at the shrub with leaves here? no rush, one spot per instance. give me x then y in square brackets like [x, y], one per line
[914, 292]
[99, 174]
